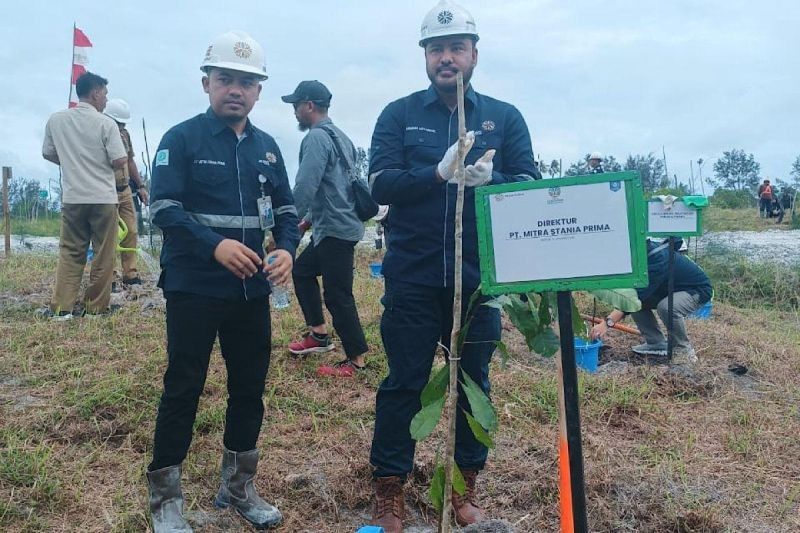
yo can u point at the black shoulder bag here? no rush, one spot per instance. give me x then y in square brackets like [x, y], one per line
[365, 206]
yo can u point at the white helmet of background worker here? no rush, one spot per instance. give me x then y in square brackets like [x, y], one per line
[235, 50]
[119, 110]
[596, 155]
[447, 19]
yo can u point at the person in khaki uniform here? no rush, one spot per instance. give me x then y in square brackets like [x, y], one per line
[88, 147]
[119, 110]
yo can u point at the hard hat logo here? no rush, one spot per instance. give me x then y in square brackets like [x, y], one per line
[209, 53]
[445, 17]
[242, 49]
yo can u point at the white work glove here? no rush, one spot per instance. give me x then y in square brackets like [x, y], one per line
[480, 173]
[447, 166]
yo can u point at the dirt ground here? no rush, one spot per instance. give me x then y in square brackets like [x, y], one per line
[709, 448]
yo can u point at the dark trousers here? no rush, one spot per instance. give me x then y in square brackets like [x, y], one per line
[765, 207]
[332, 259]
[415, 319]
[193, 323]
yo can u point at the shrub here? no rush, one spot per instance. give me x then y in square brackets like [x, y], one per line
[731, 199]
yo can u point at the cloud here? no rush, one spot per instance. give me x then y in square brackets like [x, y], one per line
[617, 76]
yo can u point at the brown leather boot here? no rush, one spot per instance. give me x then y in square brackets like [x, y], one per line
[465, 507]
[389, 504]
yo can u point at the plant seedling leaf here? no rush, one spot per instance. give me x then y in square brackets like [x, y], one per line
[477, 430]
[482, 408]
[459, 485]
[545, 343]
[436, 387]
[626, 300]
[504, 355]
[436, 491]
[424, 422]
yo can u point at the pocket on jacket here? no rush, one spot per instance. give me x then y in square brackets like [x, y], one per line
[209, 175]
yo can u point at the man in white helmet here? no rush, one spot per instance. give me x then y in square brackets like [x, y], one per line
[596, 163]
[126, 178]
[412, 168]
[218, 184]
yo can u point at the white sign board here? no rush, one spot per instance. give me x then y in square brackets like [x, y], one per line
[561, 232]
[678, 219]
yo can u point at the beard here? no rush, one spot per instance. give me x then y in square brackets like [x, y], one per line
[449, 86]
[302, 127]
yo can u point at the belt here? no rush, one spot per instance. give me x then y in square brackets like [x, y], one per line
[122, 188]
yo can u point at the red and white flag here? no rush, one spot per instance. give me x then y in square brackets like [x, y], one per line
[80, 58]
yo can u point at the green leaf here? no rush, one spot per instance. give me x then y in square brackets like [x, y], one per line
[436, 387]
[499, 302]
[525, 321]
[546, 343]
[424, 422]
[462, 333]
[459, 485]
[436, 491]
[579, 328]
[626, 300]
[545, 316]
[477, 430]
[504, 355]
[482, 408]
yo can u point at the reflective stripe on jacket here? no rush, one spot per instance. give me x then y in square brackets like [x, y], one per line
[205, 189]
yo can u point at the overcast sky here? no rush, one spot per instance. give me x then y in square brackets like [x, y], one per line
[621, 77]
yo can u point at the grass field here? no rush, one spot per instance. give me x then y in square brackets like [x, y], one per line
[698, 450]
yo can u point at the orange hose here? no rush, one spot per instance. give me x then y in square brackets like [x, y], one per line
[620, 327]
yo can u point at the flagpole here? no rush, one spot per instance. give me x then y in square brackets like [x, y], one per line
[72, 65]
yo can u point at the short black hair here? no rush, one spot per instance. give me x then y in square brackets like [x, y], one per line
[87, 83]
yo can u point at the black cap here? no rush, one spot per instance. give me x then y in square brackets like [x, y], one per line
[309, 91]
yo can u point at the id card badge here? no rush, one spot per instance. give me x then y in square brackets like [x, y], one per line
[265, 214]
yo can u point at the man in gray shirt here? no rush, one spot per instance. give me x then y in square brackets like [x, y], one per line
[324, 199]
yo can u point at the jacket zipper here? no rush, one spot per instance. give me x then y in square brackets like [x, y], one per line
[241, 205]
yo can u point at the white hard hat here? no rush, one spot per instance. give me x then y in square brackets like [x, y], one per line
[596, 155]
[446, 19]
[235, 50]
[118, 109]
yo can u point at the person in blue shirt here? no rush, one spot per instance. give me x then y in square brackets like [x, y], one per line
[691, 290]
[412, 166]
[218, 183]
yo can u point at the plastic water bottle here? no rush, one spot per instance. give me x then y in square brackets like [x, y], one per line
[89, 255]
[280, 294]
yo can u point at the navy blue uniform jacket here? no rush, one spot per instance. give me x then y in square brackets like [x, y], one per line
[411, 136]
[205, 189]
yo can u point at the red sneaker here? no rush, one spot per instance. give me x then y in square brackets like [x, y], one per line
[342, 369]
[309, 344]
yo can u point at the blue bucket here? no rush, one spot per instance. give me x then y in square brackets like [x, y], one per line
[375, 270]
[703, 312]
[587, 354]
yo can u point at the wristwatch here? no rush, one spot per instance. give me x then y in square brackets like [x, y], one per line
[610, 322]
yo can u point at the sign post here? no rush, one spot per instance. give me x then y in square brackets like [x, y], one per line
[680, 218]
[578, 233]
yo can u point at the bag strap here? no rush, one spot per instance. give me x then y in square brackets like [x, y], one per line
[337, 145]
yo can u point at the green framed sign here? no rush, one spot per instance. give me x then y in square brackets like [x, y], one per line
[682, 218]
[577, 233]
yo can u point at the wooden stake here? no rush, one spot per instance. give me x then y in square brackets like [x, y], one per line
[455, 353]
[6, 210]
